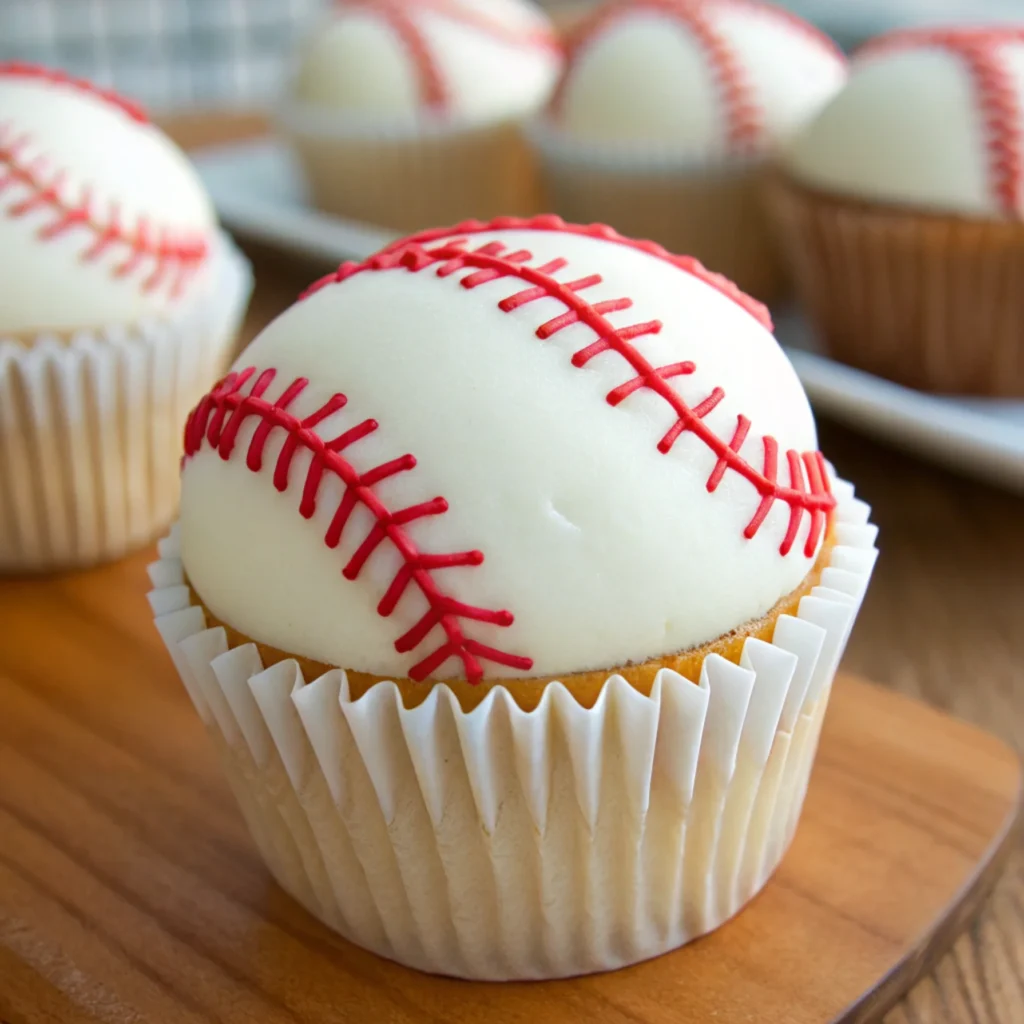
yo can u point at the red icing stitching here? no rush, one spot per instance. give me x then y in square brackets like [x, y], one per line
[491, 262]
[433, 89]
[400, 17]
[217, 420]
[551, 222]
[742, 111]
[996, 93]
[167, 258]
[20, 69]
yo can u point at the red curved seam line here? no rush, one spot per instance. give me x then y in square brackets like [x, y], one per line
[21, 69]
[550, 222]
[742, 112]
[995, 92]
[735, 93]
[217, 419]
[815, 500]
[433, 89]
[168, 259]
[452, 10]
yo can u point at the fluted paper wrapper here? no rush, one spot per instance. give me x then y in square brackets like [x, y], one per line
[502, 844]
[932, 302]
[712, 211]
[412, 177]
[90, 427]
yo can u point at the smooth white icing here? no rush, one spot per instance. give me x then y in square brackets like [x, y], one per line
[83, 142]
[603, 549]
[907, 129]
[646, 78]
[356, 64]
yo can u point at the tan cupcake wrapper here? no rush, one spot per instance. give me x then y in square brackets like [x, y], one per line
[90, 426]
[499, 843]
[713, 212]
[416, 176]
[932, 302]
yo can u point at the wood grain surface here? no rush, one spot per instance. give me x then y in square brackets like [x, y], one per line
[129, 890]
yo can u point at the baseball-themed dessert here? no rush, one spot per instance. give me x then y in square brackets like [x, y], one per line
[118, 304]
[666, 114]
[902, 206]
[407, 112]
[511, 584]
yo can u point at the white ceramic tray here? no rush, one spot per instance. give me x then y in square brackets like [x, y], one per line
[258, 192]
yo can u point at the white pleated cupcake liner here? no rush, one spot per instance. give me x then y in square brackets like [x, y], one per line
[503, 844]
[711, 208]
[410, 175]
[90, 426]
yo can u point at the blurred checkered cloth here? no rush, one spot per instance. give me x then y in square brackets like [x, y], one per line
[167, 54]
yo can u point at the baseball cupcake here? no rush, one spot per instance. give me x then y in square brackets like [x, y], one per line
[119, 301]
[511, 585]
[902, 206]
[406, 112]
[666, 114]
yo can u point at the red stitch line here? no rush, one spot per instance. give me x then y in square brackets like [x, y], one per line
[217, 420]
[555, 224]
[20, 69]
[168, 257]
[745, 119]
[995, 91]
[399, 15]
[550, 222]
[488, 264]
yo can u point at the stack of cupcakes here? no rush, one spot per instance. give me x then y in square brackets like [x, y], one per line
[120, 303]
[406, 113]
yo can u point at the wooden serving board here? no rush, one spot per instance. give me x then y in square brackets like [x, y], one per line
[130, 892]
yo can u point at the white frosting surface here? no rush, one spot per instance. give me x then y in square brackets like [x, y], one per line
[910, 128]
[647, 77]
[358, 64]
[82, 145]
[602, 548]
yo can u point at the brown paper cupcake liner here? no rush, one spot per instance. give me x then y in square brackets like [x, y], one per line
[90, 427]
[929, 301]
[714, 213]
[414, 177]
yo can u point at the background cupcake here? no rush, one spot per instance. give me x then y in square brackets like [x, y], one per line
[516, 627]
[666, 114]
[902, 206]
[406, 112]
[118, 307]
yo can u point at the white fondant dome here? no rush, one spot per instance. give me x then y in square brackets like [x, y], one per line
[929, 118]
[474, 60]
[509, 452]
[707, 78]
[102, 218]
